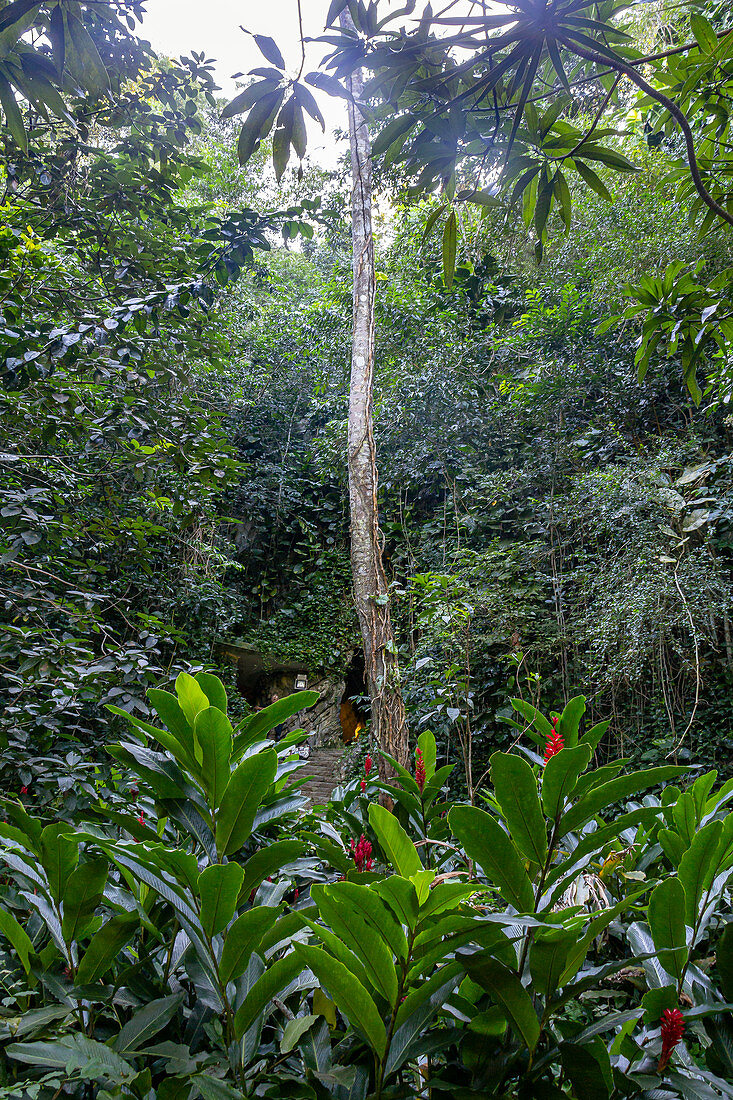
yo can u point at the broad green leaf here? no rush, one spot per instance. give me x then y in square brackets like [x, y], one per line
[82, 56]
[269, 49]
[615, 791]
[105, 946]
[569, 723]
[422, 881]
[349, 924]
[213, 731]
[400, 895]
[484, 841]
[349, 994]
[13, 114]
[698, 866]
[548, 958]
[74, 1051]
[704, 33]
[247, 787]
[612, 157]
[209, 1087]
[515, 787]
[666, 917]
[724, 961]
[145, 1023]
[259, 724]
[391, 133]
[268, 860]
[539, 729]
[59, 855]
[685, 817]
[657, 999]
[219, 887]
[593, 736]
[258, 123]
[191, 697]
[450, 242]
[588, 1067]
[82, 895]
[242, 939]
[282, 138]
[294, 1030]
[394, 841]
[213, 689]
[171, 715]
[560, 774]
[19, 938]
[505, 987]
[593, 180]
[277, 976]
[369, 905]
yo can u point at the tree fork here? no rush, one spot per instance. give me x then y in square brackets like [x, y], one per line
[371, 591]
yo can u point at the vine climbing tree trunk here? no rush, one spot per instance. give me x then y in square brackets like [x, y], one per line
[371, 592]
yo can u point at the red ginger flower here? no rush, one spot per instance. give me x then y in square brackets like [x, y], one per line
[363, 786]
[141, 819]
[419, 771]
[555, 742]
[24, 789]
[673, 1028]
[362, 853]
[367, 764]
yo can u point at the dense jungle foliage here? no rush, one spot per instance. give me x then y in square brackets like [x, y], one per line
[539, 905]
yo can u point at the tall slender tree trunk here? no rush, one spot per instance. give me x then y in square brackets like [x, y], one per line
[371, 592]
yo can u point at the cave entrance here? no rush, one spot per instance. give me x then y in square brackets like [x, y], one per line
[354, 709]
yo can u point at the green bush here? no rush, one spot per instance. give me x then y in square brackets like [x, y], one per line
[215, 937]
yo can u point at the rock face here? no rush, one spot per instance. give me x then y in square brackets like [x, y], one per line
[323, 721]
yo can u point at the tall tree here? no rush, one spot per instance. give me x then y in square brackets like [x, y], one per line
[371, 591]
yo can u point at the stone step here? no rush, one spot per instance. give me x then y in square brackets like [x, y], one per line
[324, 771]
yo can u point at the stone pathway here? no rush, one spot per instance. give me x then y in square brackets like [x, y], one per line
[325, 768]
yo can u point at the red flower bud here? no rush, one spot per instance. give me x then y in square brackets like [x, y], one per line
[673, 1028]
[419, 771]
[24, 789]
[363, 786]
[141, 819]
[367, 764]
[555, 742]
[362, 853]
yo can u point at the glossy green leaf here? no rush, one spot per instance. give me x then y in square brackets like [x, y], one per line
[484, 841]
[505, 987]
[560, 774]
[219, 887]
[394, 841]
[515, 787]
[242, 939]
[450, 244]
[275, 979]
[667, 906]
[60, 855]
[698, 867]
[349, 994]
[18, 937]
[105, 946]
[82, 895]
[213, 732]
[247, 787]
[145, 1023]
[614, 791]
